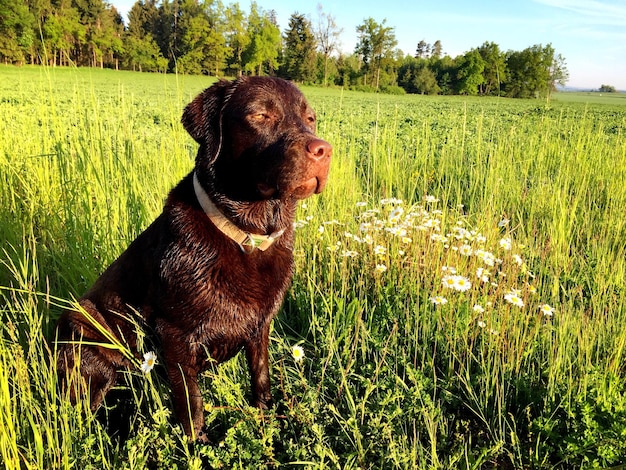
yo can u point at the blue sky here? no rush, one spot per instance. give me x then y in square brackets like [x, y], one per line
[590, 34]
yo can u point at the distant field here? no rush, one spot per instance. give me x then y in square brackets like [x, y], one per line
[591, 97]
[460, 291]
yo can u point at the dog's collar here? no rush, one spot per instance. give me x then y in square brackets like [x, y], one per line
[247, 241]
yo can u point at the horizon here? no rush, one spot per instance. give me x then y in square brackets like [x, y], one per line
[589, 34]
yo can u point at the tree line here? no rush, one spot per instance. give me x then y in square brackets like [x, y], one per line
[209, 37]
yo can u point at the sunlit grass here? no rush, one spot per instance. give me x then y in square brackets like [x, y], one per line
[459, 297]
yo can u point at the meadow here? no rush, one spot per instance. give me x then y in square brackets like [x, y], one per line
[459, 295]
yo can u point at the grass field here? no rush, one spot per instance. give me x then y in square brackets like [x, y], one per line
[460, 291]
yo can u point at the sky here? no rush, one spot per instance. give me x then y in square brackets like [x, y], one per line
[589, 34]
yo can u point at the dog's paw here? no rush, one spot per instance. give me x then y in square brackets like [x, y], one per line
[202, 437]
[264, 402]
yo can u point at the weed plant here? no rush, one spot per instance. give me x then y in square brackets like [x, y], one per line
[458, 301]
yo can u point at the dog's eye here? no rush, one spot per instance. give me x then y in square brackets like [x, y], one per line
[260, 117]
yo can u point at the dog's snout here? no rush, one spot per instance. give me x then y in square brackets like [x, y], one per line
[319, 149]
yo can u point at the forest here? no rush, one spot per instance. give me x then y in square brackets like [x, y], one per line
[212, 38]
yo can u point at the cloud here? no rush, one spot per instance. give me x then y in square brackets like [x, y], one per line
[590, 10]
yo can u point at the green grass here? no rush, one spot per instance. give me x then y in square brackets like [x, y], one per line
[590, 97]
[389, 379]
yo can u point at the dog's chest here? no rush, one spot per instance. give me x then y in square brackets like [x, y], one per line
[224, 296]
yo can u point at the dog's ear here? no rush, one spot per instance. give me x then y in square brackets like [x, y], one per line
[202, 117]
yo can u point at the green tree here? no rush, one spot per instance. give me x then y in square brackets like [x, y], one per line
[327, 34]
[558, 72]
[63, 34]
[237, 37]
[415, 76]
[299, 59]
[470, 69]
[494, 73]
[142, 51]
[436, 50]
[445, 71]
[375, 42]
[202, 44]
[607, 89]
[534, 71]
[265, 41]
[422, 51]
[16, 31]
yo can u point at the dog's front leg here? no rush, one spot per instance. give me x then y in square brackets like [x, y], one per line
[258, 363]
[187, 399]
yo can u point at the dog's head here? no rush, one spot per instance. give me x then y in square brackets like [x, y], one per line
[257, 140]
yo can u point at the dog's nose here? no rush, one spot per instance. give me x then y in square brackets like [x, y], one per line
[319, 149]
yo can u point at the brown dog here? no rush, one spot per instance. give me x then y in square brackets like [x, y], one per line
[211, 271]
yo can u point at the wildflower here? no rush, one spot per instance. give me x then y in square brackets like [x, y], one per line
[448, 269]
[504, 222]
[361, 204]
[349, 254]
[365, 227]
[406, 240]
[465, 250]
[483, 275]
[395, 215]
[505, 243]
[531, 289]
[149, 361]
[438, 300]
[513, 298]
[368, 239]
[481, 323]
[298, 353]
[518, 259]
[478, 308]
[488, 258]
[430, 199]
[397, 231]
[461, 283]
[546, 310]
[380, 250]
[381, 268]
[448, 281]
[320, 229]
[391, 200]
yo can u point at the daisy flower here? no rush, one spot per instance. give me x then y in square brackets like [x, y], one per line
[461, 283]
[149, 361]
[448, 281]
[513, 298]
[379, 250]
[395, 215]
[298, 353]
[465, 250]
[438, 300]
[478, 308]
[546, 310]
[505, 243]
[381, 268]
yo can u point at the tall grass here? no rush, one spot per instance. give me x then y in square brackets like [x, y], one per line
[421, 190]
